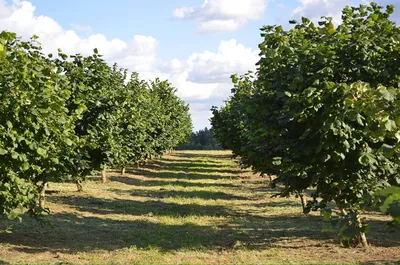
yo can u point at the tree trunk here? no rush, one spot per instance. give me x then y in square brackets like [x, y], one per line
[123, 171]
[303, 202]
[104, 176]
[79, 185]
[42, 195]
[363, 238]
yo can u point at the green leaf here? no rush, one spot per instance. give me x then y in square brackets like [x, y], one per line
[350, 232]
[3, 151]
[277, 161]
[367, 159]
[390, 125]
[82, 108]
[62, 120]
[41, 151]
[388, 150]
[25, 166]
[360, 119]
[374, 17]
[331, 28]
[365, 229]
[2, 50]
[68, 142]
[309, 91]
[388, 94]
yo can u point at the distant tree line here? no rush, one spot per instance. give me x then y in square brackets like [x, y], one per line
[201, 140]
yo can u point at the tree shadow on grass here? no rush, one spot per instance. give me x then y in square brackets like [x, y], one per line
[183, 164]
[138, 208]
[211, 163]
[161, 182]
[164, 193]
[277, 204]
[381, 234]
[74, 233]
[177, 175]
[201, 168]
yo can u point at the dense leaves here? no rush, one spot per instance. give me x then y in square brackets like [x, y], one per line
[391, 204]
[65, 117]
[322, 111]
[36, 130]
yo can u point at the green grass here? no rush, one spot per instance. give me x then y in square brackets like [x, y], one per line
[193, 207]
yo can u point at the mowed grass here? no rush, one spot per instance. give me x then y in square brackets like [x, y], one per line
[194, 207]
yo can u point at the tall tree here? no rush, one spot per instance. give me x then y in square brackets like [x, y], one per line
[322, 111]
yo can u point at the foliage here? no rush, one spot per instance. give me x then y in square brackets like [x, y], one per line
[65, 117]
[323, 110]
[36, 130]
[391, 204]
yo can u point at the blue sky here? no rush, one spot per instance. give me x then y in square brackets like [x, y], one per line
[195, 44]
[125, 18]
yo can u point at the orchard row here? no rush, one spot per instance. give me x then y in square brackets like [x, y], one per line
[322, 114]
[63, 118]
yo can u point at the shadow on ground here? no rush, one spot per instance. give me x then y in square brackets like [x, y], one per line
[162, 182]
[112, 224]
[164, 193]
[92, 233]
[137, 208]
[203, 155]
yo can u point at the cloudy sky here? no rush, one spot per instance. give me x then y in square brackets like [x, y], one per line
[195, 44]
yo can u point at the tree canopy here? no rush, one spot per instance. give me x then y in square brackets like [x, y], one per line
[63, 117]
[322, 111]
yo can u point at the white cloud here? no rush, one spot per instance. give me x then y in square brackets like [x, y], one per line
[204, 77]
[200, 119]
[314, 9]
[222, 15]
[231, 57]
[201, 113]
[137, 55]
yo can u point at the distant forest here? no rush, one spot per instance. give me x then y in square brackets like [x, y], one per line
[201, 140]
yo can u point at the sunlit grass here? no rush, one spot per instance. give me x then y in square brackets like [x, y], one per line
[190, 207]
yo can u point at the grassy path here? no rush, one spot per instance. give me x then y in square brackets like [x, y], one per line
[189, 207]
